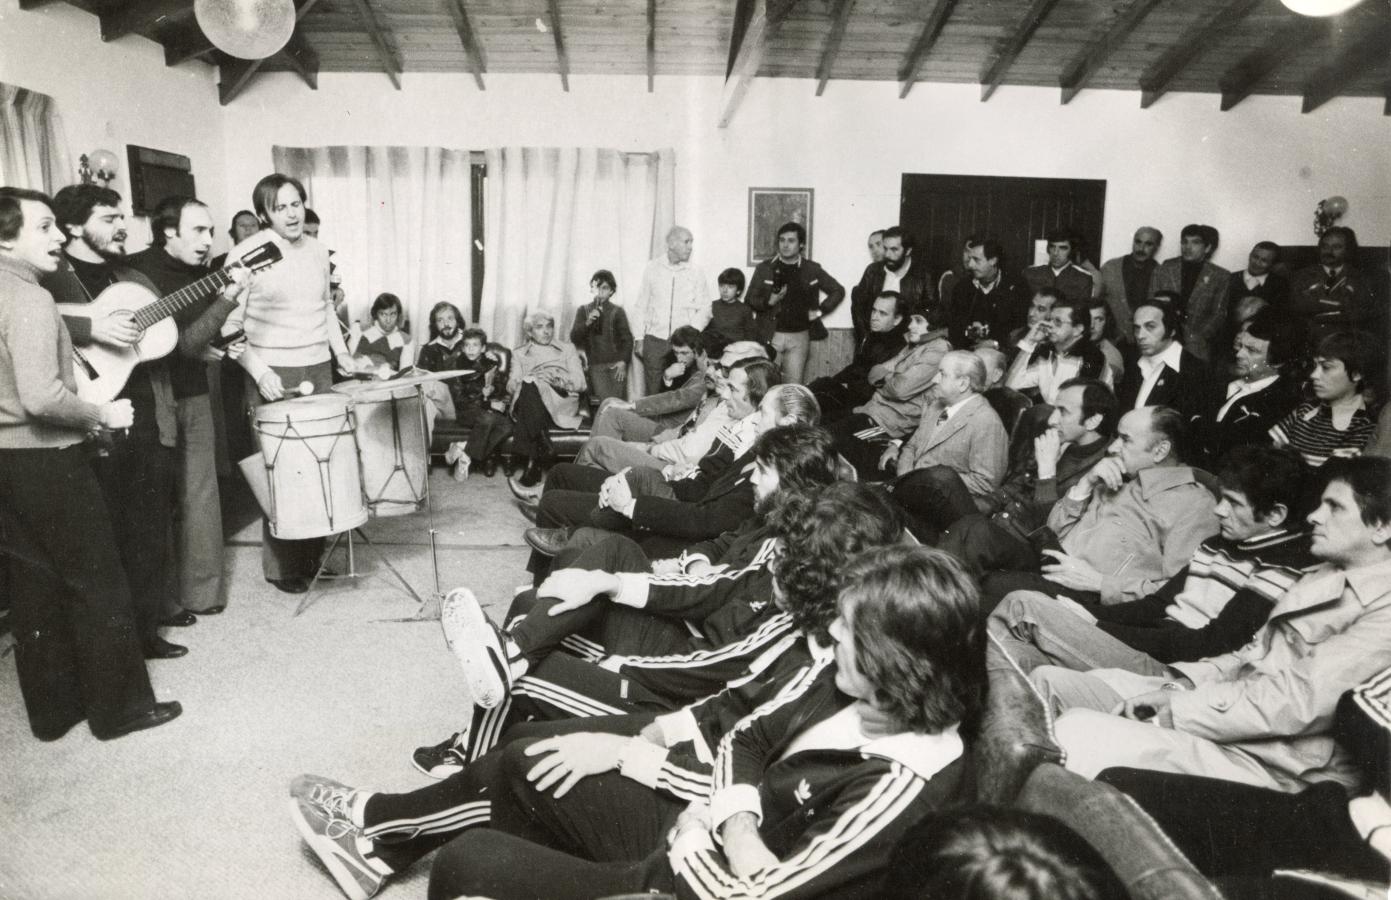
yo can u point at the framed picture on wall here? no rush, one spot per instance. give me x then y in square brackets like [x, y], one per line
[769, 209]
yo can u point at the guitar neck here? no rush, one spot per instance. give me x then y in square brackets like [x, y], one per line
[172, 303]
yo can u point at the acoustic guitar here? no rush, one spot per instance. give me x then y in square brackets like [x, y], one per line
[102, 371]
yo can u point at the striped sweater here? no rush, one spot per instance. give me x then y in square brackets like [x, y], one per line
[1309, 431]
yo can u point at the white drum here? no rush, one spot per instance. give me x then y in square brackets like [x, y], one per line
[313, 485]
[391, 444]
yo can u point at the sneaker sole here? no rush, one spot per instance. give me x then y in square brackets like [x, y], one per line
[471, 637]
[439, 773]
[328, 855]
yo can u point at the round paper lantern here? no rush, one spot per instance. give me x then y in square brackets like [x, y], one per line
[1335, 206]
[247, 29]
[103, 164]
[1320, 7]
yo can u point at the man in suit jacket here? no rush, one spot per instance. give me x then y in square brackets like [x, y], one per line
[1059, 273]
[1200, 285]
[1257, 398]
[960, 450]
[1161, 372]
[1125, 280]
[898, 272]
[1259, 278]
[1335, 295]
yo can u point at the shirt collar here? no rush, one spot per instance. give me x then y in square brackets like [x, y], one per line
[924, 754]
[20, 268]
[1250, 387]
[1254, 280]
[987, 288]
[952, 410]
[1158, 479]
[1370, 583]
[1171, 357]
[448, 345]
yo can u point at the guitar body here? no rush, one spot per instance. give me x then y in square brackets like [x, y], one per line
[102, 371]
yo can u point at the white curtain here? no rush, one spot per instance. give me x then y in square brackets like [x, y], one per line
[398, 219]
[554, 216]
[33, 146]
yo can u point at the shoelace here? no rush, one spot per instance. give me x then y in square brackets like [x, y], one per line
[336, 804]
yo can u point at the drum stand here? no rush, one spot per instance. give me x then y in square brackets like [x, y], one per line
[429, 607]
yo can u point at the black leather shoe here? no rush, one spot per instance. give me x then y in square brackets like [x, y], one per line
[532, 476]
[547, 541]
[162, 712]
[181, 619]
[290, 585]
[158, 648]
[489, 467]
[212, 610]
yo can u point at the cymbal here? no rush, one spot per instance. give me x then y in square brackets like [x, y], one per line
[371, 384]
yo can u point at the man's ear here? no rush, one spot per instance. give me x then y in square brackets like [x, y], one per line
[1162, 450]
[1381, 534]
[1277, 515]
[1093, 423]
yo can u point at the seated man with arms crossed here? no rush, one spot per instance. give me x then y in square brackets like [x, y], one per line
[1259, 715]
[838, 394]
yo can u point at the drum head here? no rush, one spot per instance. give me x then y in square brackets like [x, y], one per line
[374, 391]
[303, 409]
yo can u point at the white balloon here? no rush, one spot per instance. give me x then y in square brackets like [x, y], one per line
[1335, 206]
[247, 29]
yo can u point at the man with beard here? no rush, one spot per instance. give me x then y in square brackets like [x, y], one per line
[183, 237]
[476, 396]
[894, 272]
[1125, 280]
[136, 469]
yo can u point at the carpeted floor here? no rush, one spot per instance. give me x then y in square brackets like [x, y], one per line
[197, 808]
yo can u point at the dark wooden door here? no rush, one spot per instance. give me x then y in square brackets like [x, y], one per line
[942, 210]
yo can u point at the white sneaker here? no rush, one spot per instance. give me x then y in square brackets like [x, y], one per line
[456, 450]
[461, 466]
[478, 646]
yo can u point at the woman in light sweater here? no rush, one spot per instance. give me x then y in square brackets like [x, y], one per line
[77, 652]
[292, 335]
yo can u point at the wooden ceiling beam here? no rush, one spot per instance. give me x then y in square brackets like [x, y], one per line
[1209, 29]
[137, 17]
[390, 64]
[840, 19]
[469, 38]
[562, 56]
[922, 45]
[33, 4]
[651, 44]
[1368, 51]
[1008, 50]
[236, 75]
[760, 20]
[1237, 82]
[302, 59]
[1092, 57]
[182, 50]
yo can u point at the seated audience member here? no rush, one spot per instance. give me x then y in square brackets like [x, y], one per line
[1214, 605]
[1339, 421]
[602, 338]
[477, 397]
[958, 452]
[838, 394]
[896, 272]
[715, 498]
[1009, 404]
[1059, 274]
[1061, 352]
[1242, 310]
[785, 294]
[1035, 327]
[1260, 279]
[870, 746]
[900, 393]
[730, 318]
[1102, 333]
[1321, 829]
[995, 853]
[1260, 394]
[1336, 295]
[1042, 469]
[1162, 372]
[682, 388]
[385, 341]
[1125, 280]
[1122, 530]
[991, 304]
[1199, 287]
[1259, 715]
[682, 446]
[547, 378]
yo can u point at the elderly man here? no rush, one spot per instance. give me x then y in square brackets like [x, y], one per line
[958, 452]
[674, 292]
[683, 445]
[1122, 530]
[1059, 273]
[1260, 715]
[1200, 285]
[896, 272]
[1125, 280]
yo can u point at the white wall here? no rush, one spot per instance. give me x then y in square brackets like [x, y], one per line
[111, 95]
[1255, 172]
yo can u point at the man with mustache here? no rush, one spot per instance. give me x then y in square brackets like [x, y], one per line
[136, 470]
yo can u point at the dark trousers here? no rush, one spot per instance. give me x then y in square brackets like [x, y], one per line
[838, 399]
[488, 430]
[77, 651]
[1004, 562]
[137, 481]
[570, 499]
[605, 837]
[861, 452]
[933, 498]
[530, 437]
[1231, 829]
[654, 352]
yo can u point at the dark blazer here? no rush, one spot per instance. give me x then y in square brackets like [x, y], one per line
[1275, 290]
[1350, 303]
[1188, 390]
[1071, 282]
[1248, 421]
[806, 283]
[1206, 310]
[915, 287]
